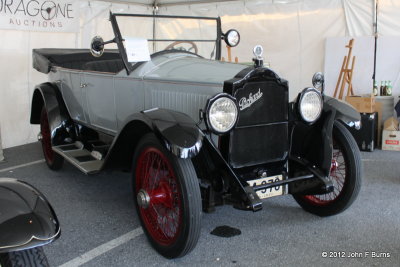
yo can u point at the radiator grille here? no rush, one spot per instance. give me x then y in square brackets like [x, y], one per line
[261, 135]
[272, 106]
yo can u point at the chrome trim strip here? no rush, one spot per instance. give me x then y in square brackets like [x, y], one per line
[34, 238]
[150, 110]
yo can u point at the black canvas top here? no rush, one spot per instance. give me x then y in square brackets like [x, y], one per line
[46, 58]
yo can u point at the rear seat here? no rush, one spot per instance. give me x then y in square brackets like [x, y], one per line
[110, 65]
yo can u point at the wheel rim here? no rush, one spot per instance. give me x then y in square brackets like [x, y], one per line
[159, 196]
[46, 137]
[337, 175]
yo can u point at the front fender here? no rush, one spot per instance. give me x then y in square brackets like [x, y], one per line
[344, 111]
[179, 132]
[314, 142]
[26, 218]
[176, 131]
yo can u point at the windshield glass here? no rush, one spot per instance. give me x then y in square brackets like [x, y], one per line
[197, 35]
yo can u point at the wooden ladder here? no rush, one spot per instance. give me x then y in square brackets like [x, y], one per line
[346, 74]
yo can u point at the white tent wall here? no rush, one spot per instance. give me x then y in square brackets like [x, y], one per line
[19, 78]
[292, 32]
[359, 17]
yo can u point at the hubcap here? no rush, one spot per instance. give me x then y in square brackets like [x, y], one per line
[338, 174]
[334, 165]
[143, 199]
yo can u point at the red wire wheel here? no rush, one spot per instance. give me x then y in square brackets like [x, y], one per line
[156, 181]
[337, 176]
[53, 160]
[345, 174]
[167, 197]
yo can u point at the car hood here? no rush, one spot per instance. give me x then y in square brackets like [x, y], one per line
[185, 67]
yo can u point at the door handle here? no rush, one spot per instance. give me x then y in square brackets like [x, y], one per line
[83, 85]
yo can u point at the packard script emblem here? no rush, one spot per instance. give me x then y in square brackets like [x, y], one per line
[247, 102]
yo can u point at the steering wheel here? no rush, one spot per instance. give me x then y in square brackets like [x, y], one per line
[193, 46]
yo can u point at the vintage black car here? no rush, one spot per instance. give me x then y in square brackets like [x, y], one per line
[27, 222]
[195, 132]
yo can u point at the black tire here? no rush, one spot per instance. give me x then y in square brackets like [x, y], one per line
[346, 174]
[53, 160]
[170, 207]
[33, 257]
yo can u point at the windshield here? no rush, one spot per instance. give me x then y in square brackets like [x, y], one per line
[194, 34]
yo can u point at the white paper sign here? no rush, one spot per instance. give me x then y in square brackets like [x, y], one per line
[137, 49]
[40, 15]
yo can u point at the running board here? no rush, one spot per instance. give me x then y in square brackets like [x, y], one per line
[81, 158]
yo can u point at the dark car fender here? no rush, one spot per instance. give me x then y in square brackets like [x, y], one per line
[314, 142]
[176, 131]
[26, 217]
[344, 111]
[49, 95]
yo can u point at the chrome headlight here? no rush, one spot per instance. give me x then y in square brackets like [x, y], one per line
[232, 38]
[221, 113]
[310, 105]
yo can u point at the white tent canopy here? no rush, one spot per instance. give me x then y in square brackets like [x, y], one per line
[292, 32]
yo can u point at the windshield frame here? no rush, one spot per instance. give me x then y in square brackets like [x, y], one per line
[119, 38]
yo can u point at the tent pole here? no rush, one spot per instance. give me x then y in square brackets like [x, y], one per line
[155, 11]
[375, 24]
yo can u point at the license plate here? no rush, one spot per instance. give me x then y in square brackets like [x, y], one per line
[269, 192]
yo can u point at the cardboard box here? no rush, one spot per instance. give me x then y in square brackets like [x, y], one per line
[391, 124]
[391, 140]
[363, 104]
[390, 135]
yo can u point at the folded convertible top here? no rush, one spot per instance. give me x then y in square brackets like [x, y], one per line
[46, 58]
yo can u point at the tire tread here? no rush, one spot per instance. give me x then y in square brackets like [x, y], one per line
[33, 257]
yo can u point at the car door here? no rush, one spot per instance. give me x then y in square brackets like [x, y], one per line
[100, 98]
[129, 94]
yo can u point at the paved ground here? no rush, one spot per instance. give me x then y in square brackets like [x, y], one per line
[100, 227]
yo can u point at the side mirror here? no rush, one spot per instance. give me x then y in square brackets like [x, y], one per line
[97, 46]
[318, 81]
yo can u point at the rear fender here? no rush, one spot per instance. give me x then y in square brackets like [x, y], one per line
[49, 96]
[27, 219]
[314, 142]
